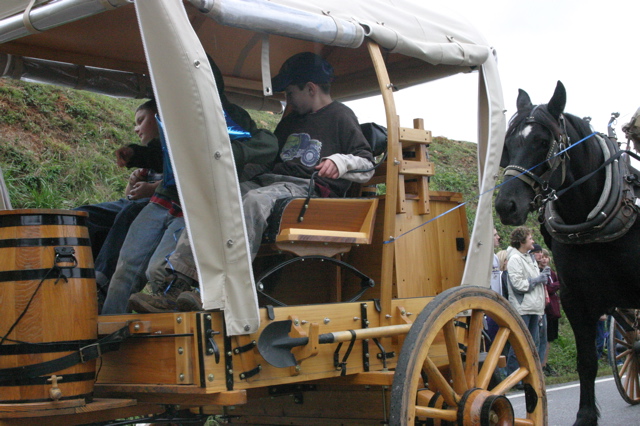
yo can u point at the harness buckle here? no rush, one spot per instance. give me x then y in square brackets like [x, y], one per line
[551, 196]
[93, 351]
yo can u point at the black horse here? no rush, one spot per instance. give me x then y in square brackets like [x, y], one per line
[592, 234]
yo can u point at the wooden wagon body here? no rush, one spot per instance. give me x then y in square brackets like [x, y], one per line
[412, 347]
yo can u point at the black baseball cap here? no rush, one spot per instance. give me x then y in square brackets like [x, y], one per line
[302, 68]
[536, 248]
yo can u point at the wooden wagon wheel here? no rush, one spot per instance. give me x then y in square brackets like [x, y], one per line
[443, 375]
[624, 355]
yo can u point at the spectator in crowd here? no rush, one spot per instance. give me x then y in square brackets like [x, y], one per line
[526, 292]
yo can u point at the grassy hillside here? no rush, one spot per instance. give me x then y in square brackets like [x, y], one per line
[57, 146]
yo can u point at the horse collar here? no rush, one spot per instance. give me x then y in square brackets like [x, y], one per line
[615, 212]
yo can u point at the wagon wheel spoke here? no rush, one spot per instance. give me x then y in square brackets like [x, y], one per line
[622, 332]
[430, 405]
[455, 357]
[440, 383]
[513, 379]
[625, 364]
[623, 343]
[636, 384]
[473, 347]
[629, 381]
[436, 413]
[491, 361]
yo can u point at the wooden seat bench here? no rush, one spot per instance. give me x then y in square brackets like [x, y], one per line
[330, 226]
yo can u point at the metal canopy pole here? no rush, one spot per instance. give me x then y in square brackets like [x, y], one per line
[52, 15]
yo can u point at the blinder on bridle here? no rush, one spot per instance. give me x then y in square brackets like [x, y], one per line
[540, 184]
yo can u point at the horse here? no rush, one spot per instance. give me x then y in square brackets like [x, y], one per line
[592, 234]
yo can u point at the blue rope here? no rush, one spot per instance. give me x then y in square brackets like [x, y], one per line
[495, 187]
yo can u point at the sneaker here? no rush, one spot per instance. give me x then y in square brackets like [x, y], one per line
[163, 301]
[189, 301]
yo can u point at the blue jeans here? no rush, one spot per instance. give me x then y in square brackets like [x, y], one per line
[542, 337]
[107, 259]
[531, 322]
[151, 235]
[101, 219]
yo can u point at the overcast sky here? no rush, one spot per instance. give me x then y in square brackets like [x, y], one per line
[592, 46]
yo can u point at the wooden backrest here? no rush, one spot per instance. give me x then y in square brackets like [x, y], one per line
[329, 220]
[330, 225]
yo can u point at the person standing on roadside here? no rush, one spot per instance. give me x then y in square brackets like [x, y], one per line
[526, 292]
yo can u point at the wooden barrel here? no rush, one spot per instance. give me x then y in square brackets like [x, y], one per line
[44, 316]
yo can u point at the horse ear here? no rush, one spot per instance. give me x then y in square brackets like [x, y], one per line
[524, 101]
[558, 101]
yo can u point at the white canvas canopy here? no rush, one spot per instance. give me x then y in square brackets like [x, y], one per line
[249, 39]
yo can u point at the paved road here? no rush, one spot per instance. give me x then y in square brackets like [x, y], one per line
[563, 404]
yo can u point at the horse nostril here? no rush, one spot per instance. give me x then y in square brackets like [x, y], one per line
[505, 208]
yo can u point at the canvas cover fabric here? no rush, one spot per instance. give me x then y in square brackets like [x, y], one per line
[201, 153]
[424, 30]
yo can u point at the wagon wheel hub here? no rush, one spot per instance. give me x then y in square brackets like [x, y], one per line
[481, 407]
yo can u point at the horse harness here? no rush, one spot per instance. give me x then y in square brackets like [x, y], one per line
[618, 205]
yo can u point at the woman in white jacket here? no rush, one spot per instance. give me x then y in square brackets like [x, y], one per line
[526, 290]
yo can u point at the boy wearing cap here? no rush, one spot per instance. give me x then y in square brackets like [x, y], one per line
[317, 134]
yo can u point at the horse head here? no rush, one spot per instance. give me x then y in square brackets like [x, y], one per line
[536, 134]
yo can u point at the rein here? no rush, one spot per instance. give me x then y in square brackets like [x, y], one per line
[586, 177]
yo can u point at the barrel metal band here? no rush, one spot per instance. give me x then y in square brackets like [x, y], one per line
[35, 274]
[39, 220]
[44, 242]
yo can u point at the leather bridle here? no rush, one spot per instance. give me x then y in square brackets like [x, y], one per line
[540, 184]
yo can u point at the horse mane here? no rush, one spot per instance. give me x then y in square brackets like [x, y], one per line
[580, 125]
